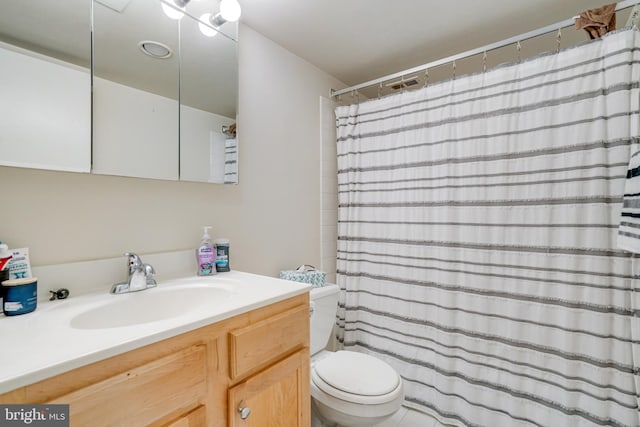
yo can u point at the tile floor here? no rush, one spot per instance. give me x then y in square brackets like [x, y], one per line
[406, 417]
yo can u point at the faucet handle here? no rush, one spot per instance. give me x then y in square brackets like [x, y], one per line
[149, 273]
[135, 263]
[149, 270]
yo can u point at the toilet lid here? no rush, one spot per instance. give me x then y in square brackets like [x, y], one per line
[357, 373]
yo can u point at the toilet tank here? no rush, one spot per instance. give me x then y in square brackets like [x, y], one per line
[324, 304]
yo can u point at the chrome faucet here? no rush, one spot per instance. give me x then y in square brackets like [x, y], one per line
[141, 276]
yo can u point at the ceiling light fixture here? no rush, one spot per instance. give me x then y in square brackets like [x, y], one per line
[174, 9]
[230, 11]
[207, 20]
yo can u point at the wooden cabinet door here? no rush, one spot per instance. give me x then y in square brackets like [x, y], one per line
[276, 397]
[195, 418]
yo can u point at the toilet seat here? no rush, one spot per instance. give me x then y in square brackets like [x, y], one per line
[357, 378]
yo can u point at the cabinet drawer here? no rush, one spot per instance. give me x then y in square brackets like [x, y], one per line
[260, 343]
[143, 394]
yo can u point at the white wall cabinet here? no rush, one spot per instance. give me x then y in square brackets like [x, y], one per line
[45, 113]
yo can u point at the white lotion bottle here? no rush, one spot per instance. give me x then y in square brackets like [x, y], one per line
[206, 255]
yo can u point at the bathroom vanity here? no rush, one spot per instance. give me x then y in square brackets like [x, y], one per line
[233, 367]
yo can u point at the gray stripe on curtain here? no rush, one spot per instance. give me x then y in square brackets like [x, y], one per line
[578, 65]
[477, 231]
[542, 324]
[486, 224]
[585, 272]
[596, 308]
[478, 137]
[501, 156]
[567, 201]
[504, 248]
[495, 357]
[535, 279]
[629, 224]
[489, 175]
[508, 92]
[632, 203]
[494, 386]
[573, 411]
[628, 234]
[455, 416]
[628, 203]
[622, 87]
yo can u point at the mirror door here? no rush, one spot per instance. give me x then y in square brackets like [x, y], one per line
[45, 82]
[135, 90]
[208, 98]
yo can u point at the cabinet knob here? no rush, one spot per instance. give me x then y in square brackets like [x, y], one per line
[244, 411]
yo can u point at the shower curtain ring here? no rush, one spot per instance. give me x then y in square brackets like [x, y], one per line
[518, 48]
[379, 89]
[558, 39]
[484, 62]
[454, 69]
[426, 77]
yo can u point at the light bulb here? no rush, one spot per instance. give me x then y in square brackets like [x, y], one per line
[230, 10]
[172, 12]
[205, 25]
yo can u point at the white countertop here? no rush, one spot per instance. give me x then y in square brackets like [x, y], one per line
[45, 342]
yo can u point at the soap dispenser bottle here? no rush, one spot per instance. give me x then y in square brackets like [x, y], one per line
[206, 255]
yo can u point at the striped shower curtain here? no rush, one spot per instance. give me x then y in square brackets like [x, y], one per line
[477, 239]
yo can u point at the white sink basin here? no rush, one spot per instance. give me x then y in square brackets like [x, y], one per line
[150, 305]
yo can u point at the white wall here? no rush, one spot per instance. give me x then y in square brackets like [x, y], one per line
[135, 133]
[328, 189]
[272, 217]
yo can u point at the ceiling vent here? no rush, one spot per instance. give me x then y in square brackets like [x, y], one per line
[403, 84]
[155, 49]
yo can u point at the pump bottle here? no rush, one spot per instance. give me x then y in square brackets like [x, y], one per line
[206, 255]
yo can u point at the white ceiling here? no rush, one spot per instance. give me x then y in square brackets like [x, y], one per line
[206, 66]
[360, 40]
[353, 40]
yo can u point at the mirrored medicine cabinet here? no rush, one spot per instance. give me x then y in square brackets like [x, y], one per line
[149, 96]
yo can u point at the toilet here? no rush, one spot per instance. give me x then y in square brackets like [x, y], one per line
[347, 388]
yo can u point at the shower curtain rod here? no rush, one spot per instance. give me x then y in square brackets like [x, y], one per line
[519, 38]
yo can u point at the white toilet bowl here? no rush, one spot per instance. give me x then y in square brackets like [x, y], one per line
[354, 389]
[347, 388]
